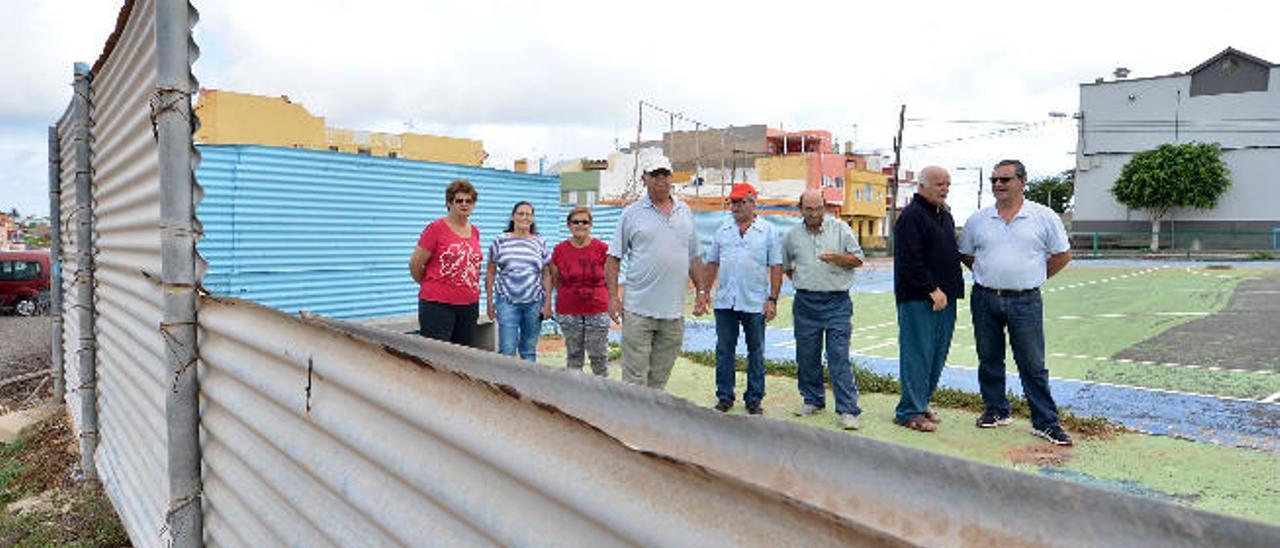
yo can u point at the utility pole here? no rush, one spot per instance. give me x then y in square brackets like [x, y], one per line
[627, 194]
[979, 170]
[979, 187]
[897, 168]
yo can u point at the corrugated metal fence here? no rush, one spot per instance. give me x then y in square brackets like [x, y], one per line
[331, 232]
[131, 453]
[315, 432]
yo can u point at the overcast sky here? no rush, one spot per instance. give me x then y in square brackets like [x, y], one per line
[561, 79]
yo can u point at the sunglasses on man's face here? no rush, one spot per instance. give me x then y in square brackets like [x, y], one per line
[1004, 180]
[464, 201]
[580, 222]
[660, 173]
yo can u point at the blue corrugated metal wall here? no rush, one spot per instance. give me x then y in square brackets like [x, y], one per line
[331, 232]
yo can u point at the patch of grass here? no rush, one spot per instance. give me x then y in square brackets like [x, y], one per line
[39, 460]
[79, 517]
[877, 383]
[39, 463]
[1261, 256]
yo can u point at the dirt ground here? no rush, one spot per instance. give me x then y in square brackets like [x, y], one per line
[1242, 336]
[25, 345]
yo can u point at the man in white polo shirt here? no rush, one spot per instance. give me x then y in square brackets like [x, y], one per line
[1013, 247]
[658, 239]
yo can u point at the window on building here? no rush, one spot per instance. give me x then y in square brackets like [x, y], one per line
[826, 180]
[333, 148]
[591, 197]
[392, 154]
[364, 151]
[839, 182]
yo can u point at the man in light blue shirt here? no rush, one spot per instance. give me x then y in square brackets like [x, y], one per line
[659, 240]
[746, 295]
[1013, 247]
[819, 255]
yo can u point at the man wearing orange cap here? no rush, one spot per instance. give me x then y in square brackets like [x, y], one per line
[746, 295]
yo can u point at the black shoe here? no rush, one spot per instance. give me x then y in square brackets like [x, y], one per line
[724, 406]
[991, 419]
[1055, 434]
[754, 409]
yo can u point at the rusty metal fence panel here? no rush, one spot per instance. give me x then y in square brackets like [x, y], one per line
[131, 453]
[321, 432]
[316, 438]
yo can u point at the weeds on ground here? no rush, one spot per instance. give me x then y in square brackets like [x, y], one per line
[871, 382]
[1262, 256]
[38, 464]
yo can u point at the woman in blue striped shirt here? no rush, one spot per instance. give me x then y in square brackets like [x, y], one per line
[518, 263]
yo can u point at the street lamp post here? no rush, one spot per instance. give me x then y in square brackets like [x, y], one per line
[979, 170]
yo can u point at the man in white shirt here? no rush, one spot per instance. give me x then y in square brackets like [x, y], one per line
[1013, 247]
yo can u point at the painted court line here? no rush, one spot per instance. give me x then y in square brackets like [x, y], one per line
[875, 346]
[1165, 364]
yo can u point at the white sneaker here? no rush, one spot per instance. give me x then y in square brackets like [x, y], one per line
[849, 421]
[806, 410]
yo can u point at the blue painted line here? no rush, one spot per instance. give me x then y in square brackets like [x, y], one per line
[1201, 418]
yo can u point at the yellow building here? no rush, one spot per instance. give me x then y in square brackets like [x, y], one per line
[782, 168]
[864, 205]
[227, 117]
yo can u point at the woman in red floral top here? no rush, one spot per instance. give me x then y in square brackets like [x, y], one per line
[446, 266]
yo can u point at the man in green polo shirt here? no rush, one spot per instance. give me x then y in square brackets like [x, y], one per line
[819, 256]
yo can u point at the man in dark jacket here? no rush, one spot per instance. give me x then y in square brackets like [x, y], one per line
[926, 282]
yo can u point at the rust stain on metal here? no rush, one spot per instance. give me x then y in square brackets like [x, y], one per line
[407, 356]
[507, 389]
[973, 535]
[574, 418]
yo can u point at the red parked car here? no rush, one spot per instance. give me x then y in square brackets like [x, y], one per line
[24, 281]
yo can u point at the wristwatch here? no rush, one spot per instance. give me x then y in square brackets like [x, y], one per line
[773, 299]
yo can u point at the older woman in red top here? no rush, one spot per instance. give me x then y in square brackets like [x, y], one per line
[582, 303]
[446, 266]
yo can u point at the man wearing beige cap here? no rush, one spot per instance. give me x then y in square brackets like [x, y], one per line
[659, 240]
[746, 295]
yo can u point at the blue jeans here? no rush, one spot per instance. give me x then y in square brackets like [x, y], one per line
[924, 338]
[519, 325]
[727, 323]
[1023, 317]
[826, 315]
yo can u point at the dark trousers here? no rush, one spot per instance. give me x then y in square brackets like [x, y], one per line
[727, 323]
[455, 323]
[824, 317]
[1023, 317]
[924, 338]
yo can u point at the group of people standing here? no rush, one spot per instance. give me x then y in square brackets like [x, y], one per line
[1012, 247]
[521, 275]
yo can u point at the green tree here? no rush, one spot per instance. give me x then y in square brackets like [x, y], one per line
[1170, 176]
[1053, 192]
